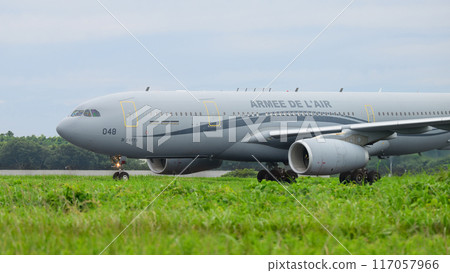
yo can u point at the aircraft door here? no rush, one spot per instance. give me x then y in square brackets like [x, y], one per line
[370, 113]
[213, 113]
[130, 118]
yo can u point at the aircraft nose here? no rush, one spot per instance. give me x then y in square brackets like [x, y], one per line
[63, 129]
[74, 131]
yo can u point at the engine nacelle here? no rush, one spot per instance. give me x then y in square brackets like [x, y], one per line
[331, 156]
[177, 165]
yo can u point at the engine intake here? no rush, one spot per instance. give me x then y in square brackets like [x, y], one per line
[177, 165]
[332, 156]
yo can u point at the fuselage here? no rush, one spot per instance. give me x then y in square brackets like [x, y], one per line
[233, 125]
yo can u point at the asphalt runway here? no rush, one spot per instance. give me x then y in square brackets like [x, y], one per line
[101, 173]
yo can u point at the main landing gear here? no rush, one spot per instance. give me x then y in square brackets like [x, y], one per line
[359, 176]
[118, 162]
[277, 173]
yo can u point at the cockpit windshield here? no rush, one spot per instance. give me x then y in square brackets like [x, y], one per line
[87, 113]
[77, 113]
[95, 113]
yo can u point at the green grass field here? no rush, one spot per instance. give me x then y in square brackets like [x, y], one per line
[82, 215]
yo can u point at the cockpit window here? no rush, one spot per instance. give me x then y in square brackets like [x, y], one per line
[77, 113]
[86, 113]
[95, 113]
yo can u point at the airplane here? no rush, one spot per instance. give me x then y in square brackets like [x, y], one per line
[311, 133]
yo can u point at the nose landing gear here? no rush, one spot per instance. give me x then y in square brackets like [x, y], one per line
[118, 162]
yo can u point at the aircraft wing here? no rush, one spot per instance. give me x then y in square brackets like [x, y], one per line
[373, 131]
[392, 126]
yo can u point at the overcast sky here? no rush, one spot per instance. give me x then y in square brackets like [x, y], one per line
[57, 54]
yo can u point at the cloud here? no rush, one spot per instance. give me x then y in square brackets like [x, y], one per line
[43, 22]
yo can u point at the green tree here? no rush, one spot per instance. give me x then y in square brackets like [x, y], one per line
[20, 153]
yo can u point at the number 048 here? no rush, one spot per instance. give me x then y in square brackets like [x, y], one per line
[110, 131]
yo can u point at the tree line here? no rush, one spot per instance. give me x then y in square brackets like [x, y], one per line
[55, 153]
[52, 153]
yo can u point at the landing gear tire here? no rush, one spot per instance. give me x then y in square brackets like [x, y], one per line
[275, 175]
[262, 175]
[345, 177]
[116, 176]
[124, 176]
[373, 176]
[291, 176]
[358, 176]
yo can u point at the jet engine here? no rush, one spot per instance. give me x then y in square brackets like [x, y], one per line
[319, 156]
[177, 165]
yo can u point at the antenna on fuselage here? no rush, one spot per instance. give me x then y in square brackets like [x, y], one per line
[296, 89]
[342, 89]
[148, 88]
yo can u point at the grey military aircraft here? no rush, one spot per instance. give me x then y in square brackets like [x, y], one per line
[312, 133]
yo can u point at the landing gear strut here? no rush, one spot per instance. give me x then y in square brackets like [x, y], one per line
[277, 173]
[359, 176]
[118, 162]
